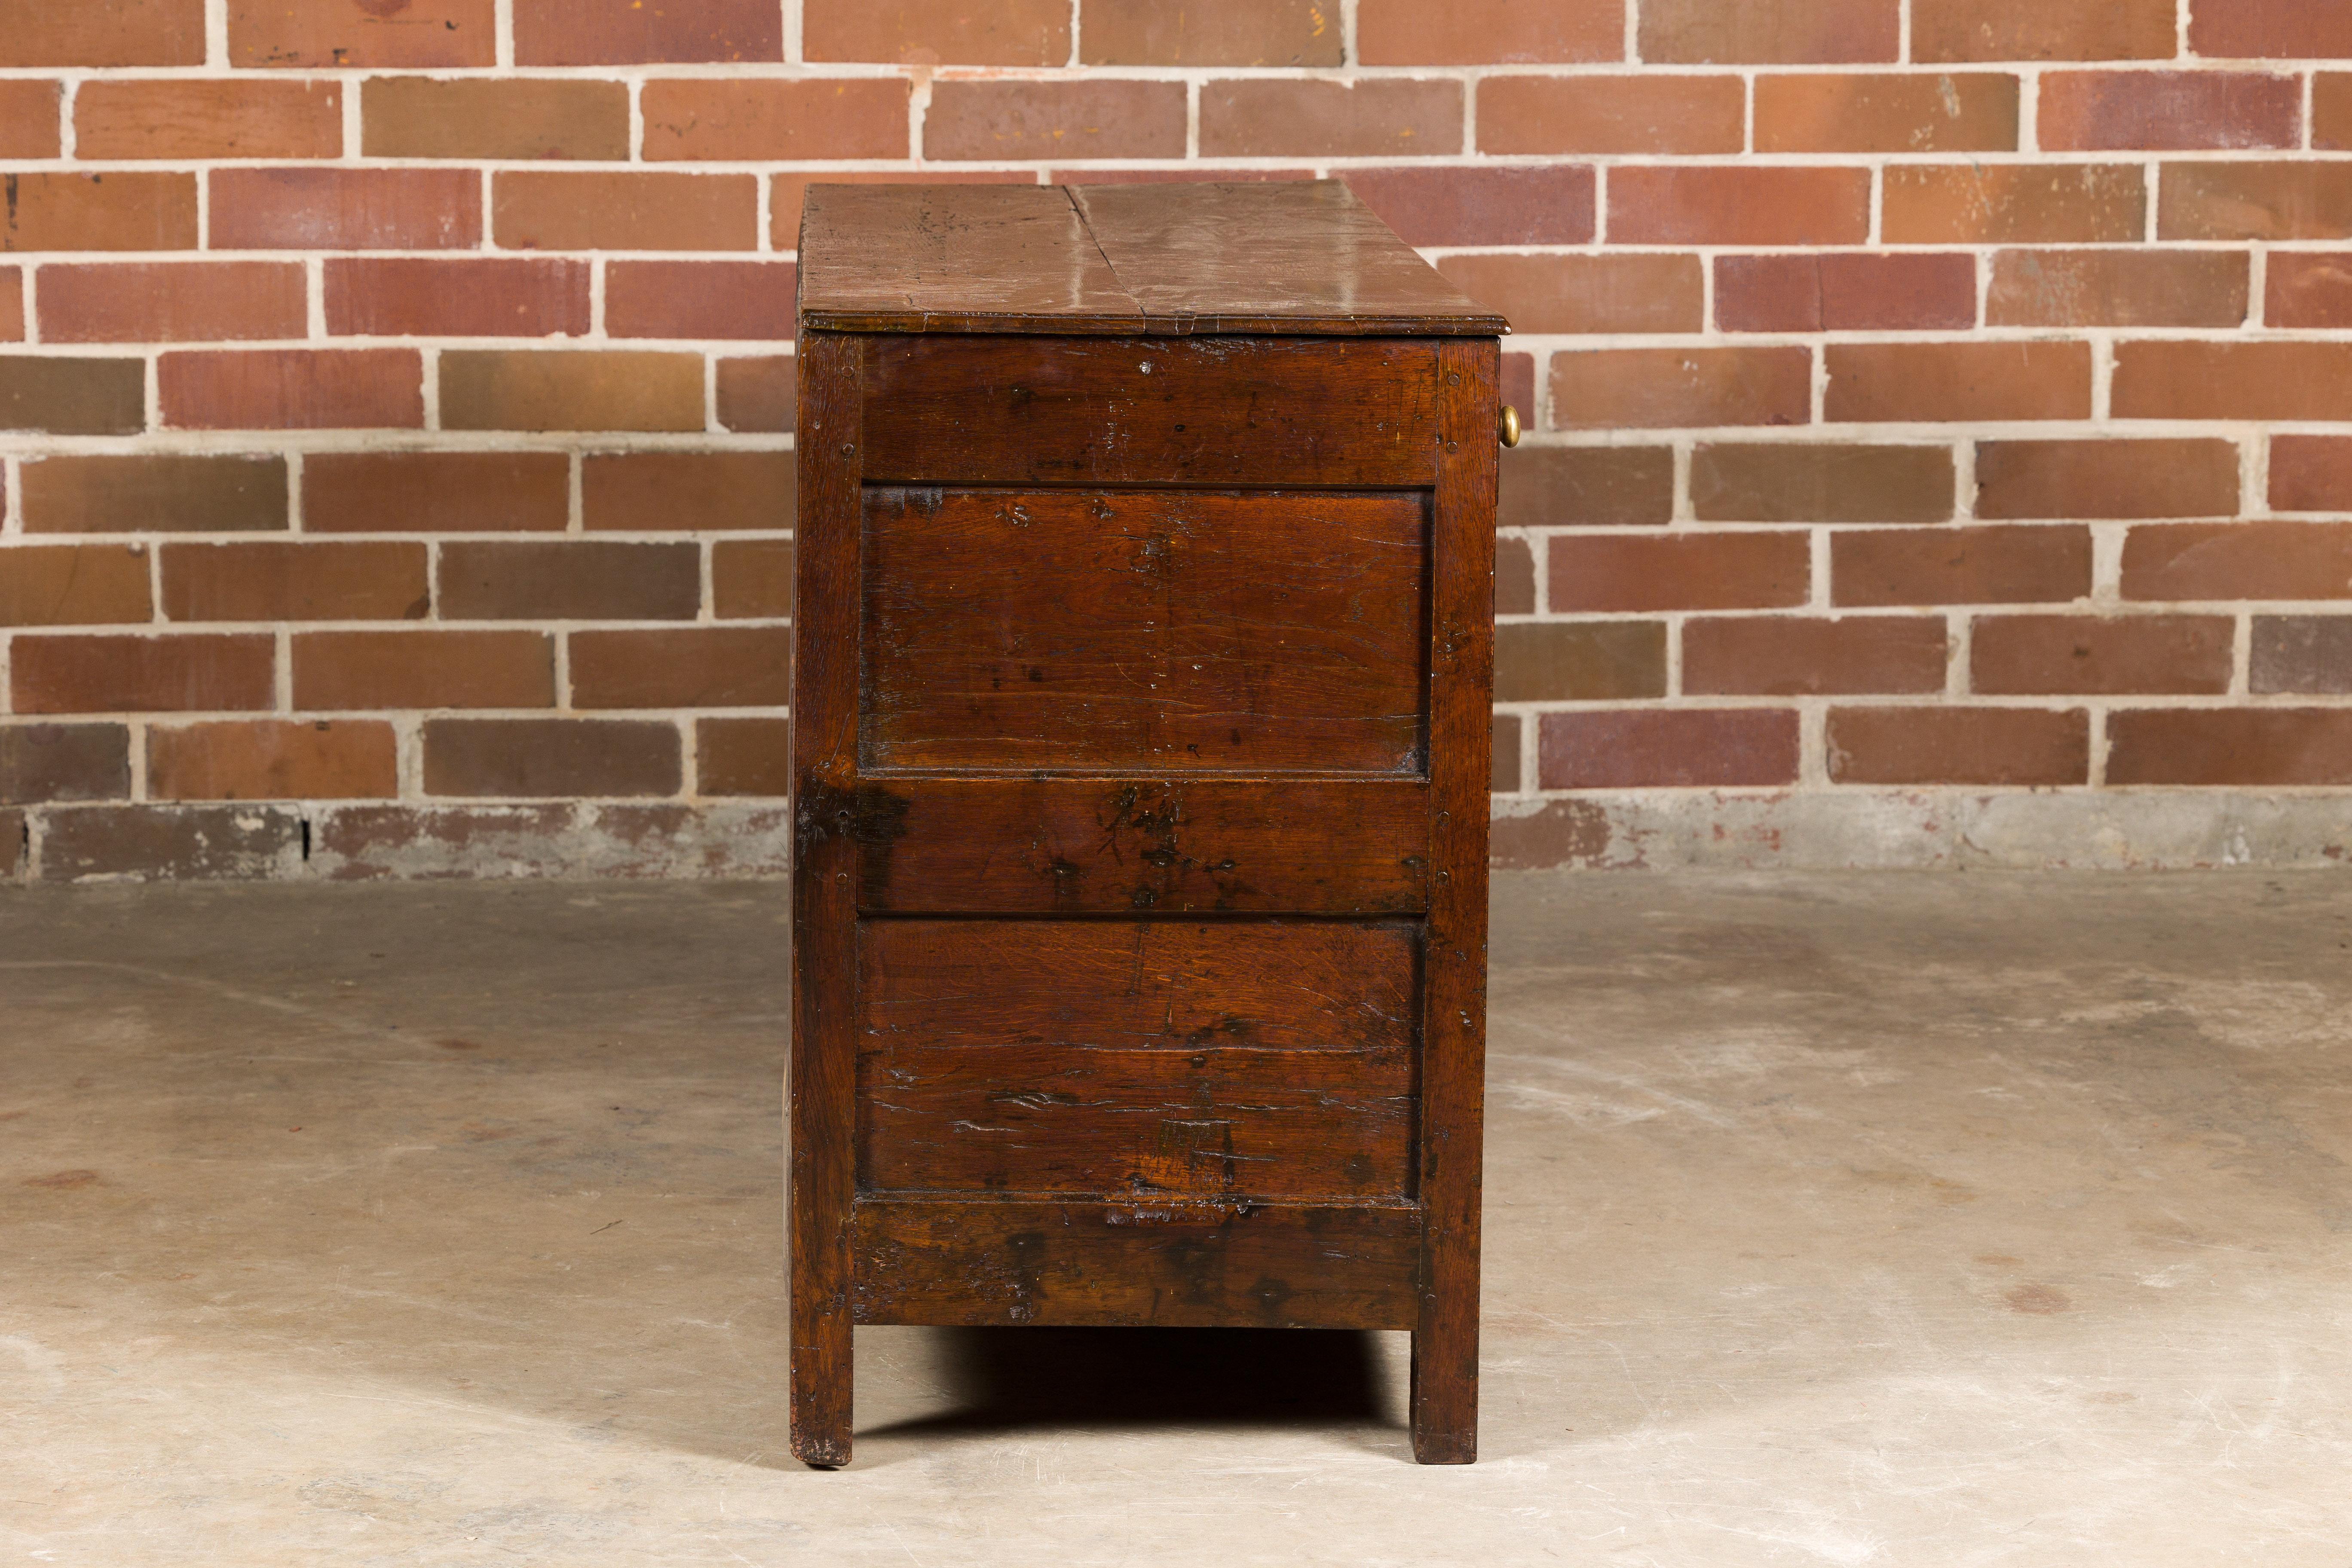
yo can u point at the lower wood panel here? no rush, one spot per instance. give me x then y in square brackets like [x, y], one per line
[981, 1262]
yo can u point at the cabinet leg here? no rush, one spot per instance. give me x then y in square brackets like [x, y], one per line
[1445, 1394]
[823, 1381]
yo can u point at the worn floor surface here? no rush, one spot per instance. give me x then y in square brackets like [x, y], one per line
[1882, 1219]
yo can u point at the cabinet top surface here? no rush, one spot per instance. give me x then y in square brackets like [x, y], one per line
[1282, 257]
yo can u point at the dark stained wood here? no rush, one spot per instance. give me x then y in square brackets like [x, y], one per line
[1178, 1264]
[944, 410]
[1129, 629]
[941, 845]
[1242, 1059]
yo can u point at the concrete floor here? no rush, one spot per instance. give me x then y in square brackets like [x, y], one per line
[1884, 1219]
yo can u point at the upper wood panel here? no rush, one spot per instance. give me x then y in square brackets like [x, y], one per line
[1282, 257]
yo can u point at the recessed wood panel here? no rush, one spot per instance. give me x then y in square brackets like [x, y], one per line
[1132, 629]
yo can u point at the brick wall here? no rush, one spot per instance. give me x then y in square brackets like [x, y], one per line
[1942, 408]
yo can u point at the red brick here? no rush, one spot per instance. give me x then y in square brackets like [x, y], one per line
[2032, 655]
[2190, 477]
[119, 32]
[1959, 566]
[1667, 114]
[273, 759]
[2331, 111]
[605, 390]
[122, 211]
[1667, 748]
[1844, 292]
[2307, 288]
[41, 764]
[173, 301]
[396, 297]
[1514, 577]
[312, 35]
[2014, 203]
[1974, 111]
[1677, 571]
[1013, 121]
[786, 188]
[1783, 482]
[1809, 656]
[629, 32]
[2269, 29]
[1580, 661]
[805, 119]
[733, 300]
[551, 758]
[940, 32]
[136, 674]
[73, 585]
[1952, 31]
[2234, 200]
[284, 581]
[73, 396]
[1669, 389]
[1365, 118]
[218, 119]
[2310, 653]
[743, 756]
[2308, 473]
[1489, 31]
[625, 210]
[1748, 205]
[1236, 33]
[12, 304]
[2248, 748]
[30, 118]
[416, 117]
[343, 670]
[1769, 32]
[596, 580]
[1179, 175]
[2013, 747]
[2119, 287]
[1518, 386]
[1604, 293]
[1505, 752]
[1958, 381]
[702, 491]
[2096, 110]
[760, 395]
[346, 209]
[155, 494]
[2205, 380]
[292, 389]
[1537, 206]
[696, 666]
[2195, 560]
[436, 492]
[1555, 487]
[751, 579]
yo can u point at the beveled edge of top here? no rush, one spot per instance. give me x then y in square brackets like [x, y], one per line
[1274, 258]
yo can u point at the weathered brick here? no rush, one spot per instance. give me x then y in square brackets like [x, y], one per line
[1233, 33]
[571, 581]
[488, 390]
[1669, 389]
[1603, 293]
[1813, 656]
[216, 119]
[119, 32]
[1580, 661]
[2269, 29]
[1487, 32]
[2217, 380]
[2033, 656]
[417, 117]
[2013, 203]
[1974, 111]
[1635, 114]
[1504, 753]
[73, 396]
[786, 189]
[625, 211]
[1013, 121]
[734, 299]
[2097, 111]
[291, 389]
[1514, 577]
[454, 296]
[759, 394]
[2308, 654]
[629, 32]
[173, 301]
[12, 304]
[1769, 32]
[691, 667]
[2308, 473]
[41, 764]
[2331, 110]
[940, 32]
[1667, 748]
[1959, 566]
[161, 843]
[335, 672]
[1952, 31]
[1844, 291]
[1677, 571]
[1782, 483]
[421, 35]
[139, 674]
[743, 756]
[703, 492]
[751, 579]
[2187, 478]
[155, 494]
[2011, 747]
[2252, 200]
[1535, 205]
[1562, 487]
[2308, 290]
[1958, 381]
[803, 119]
[73, 585]
[30, 118]
[346, 209]
[281, 580]
[551, 758]
[1746, 204]
[1518, 385]
[2119, 289]
[2192, 561]
[273, 759]
[1365, 118]
[436, 492]
[134, 210]
[2251, 748]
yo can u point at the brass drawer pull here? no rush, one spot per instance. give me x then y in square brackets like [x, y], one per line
[1507, 426]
